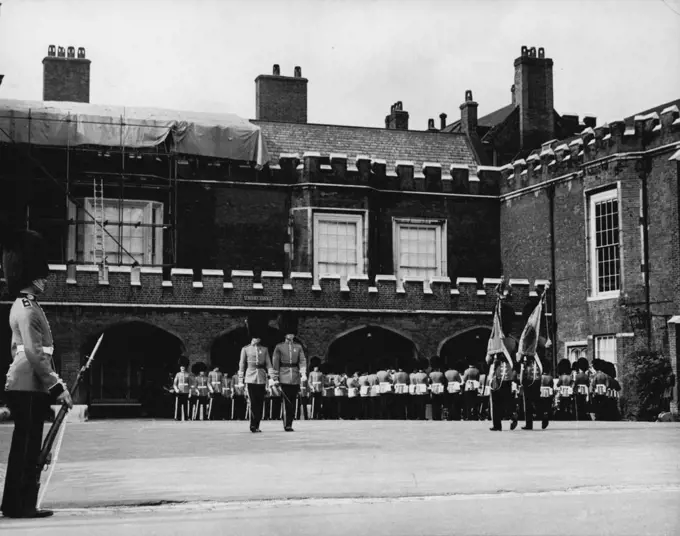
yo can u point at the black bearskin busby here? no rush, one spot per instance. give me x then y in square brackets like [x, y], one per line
[435, 362]
[583, 363]
[183, 361]
[423, 364]
[24, 259]
[199, 367]
[563, 367]
[574, 366]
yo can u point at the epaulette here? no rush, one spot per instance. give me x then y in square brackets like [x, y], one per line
[26, 302]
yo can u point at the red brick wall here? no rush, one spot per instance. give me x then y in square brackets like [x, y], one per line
[66, 79]
[281, 98]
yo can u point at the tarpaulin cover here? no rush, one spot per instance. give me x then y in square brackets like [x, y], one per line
[70, 124]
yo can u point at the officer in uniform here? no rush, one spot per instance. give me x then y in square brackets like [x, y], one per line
[253, 366]
[437, 388]
[471, 387]
[484, 394]
[227, 397]
[502, 401]
[32, 382]
[289, 369]
[202, 392]
[530, 379]
[215, 390]
[182, 387]
[454, 393]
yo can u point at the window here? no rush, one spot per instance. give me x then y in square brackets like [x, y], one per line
[136, 225]
[605, 253]
[576, 351]
[419, 248]
[605, 348]
[338, 245]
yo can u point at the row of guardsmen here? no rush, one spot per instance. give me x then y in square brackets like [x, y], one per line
[577, 392]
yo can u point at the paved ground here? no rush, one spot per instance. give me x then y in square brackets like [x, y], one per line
[595, 476]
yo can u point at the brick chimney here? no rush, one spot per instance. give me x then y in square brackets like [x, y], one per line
[468, 114]
[66, 77]
[442, 121]
[534, 96]
[398, 118]
[281, 98]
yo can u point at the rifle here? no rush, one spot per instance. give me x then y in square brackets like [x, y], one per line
[56, 431]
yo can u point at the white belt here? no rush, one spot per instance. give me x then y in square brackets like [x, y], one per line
[49, 350]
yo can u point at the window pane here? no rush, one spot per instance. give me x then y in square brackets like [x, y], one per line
[337, 248]
[607, 247]
[417, 250]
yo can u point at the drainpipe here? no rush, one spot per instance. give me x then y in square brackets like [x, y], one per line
[645, 250]
[552, 294]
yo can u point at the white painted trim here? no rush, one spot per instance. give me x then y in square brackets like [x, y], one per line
[360, 221]
[120, 269]
[287, 286]
[518, 282]
[87, 268]
[212, 273]
[197, 284]
[466, 280]
[385, 277]
[357, 277]
[674, 320]
[258, 286]
[228, 285]
[338, 156]
[242, 273]
[301, 275]
[166, 284]
[57, 267]
[181, 271]
[150, 270]
[439, 225]
[491, 281]
[612, 192]
[278, 275]
[311, 154]
[627, 334]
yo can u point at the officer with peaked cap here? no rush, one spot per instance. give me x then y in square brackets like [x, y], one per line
[253, 366]
[32, 382]
[289, 369]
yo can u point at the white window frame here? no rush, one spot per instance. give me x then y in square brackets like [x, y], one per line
[575, 344]
[596, 349]
[149, 207]
[606, 195]
[358, 221]
[440, 227]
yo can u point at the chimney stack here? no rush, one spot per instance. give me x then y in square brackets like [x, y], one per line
[430, 125]
[468, 114]
[281, 98]
[398, 118]
[534, 96]
[442, 121]
[66, 76]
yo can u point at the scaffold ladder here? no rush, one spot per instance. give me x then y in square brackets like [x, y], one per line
[99, 256]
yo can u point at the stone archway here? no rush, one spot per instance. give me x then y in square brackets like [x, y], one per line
[133, 370]
[466, 346]
[368, 348]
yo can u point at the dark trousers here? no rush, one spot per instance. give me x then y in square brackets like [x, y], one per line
[256, 392]
[202, 407]
[504, 404]
[437, 407]
[22, 479]
[317, 405]
[599, 407]
[401, 406]
[182, 401]
[471, 406]
[582, 408]
[454, 405]
[291, 392]
[419, 403]
[534, 405]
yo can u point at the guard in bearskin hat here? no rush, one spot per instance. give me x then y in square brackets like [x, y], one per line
[437, 388]
[565, 390]
[289, 368]
[385, 409]
[454, 392]
[32, 382]
[599, 385]
[471, 391]
[581, 388]
[420, 382]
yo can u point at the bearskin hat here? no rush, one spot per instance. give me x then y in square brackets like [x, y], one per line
[583, 363]
[563, 367]
[24, 258]
[423, 363]
[435, 362]
[183, 361]
[574, 366]
[314, 362]
[288, 323]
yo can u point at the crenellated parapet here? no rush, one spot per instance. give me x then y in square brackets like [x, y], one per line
[210, 289]
[557, 158]
[402, 175]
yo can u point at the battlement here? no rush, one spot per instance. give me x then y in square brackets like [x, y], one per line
[557, 158]
[123, 286]
[363, 170]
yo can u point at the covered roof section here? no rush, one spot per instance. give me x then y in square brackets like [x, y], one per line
[72, 124]
[377, 143]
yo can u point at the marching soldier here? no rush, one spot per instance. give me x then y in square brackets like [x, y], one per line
[227, 397]
[316, 381]
[385, 384]
[530, 380]
[598, 391]
[401, 396]
[290, 368]
[329, 407]
[582, 387]
[253, 366]
[32, 382]
[502, 402]
[437, 388]
[201, 390]
[215, 391]
[614, 387]
[545, 403]
[565, 390]
[340, 393]
[484, 395]
[239, 402]
[454, 393]
[182, 387]
[471, 386]
[420, 381]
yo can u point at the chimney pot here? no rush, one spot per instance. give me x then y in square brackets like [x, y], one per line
[61, 52]
[277, 70]
[398, 118]
[541, 53]
[442, 121]
[468, 95]
[81, 53]
[51, 50]
[71, 52]
[298, 72]
[430, 124]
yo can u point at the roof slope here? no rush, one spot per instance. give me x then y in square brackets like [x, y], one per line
[376, 143]
[487, 121]
[658, 109]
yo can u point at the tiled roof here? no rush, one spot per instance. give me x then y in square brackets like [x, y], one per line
[487, 121]
[376, 143]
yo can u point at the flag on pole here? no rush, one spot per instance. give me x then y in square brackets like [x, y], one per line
[496, 344]
[528, 342]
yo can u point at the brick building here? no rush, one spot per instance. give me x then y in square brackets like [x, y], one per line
[373, 243]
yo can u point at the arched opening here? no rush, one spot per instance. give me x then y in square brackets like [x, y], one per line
[370, 348]
[133, 371]
[466, 347]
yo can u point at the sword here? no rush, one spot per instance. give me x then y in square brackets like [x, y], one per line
[55, 434]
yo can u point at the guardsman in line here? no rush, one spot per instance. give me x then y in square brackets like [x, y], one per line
[530, 380]
[364, 394]
[290, 368]
[613, 389]
[598, 391]
[239, 402]
[421, 382]
[412, 402]
[385, 384]
[581, 388]
[484, 395]
[329, 406]
[401, 395]
[227, 400]
[502, 401]
[454, 393]
[340, 393]
[374, 395]
[546, 401]
[253, 366]
[215, 392]
[32, 382]
[182, 387]
[437, 388]
[471, 392]
[316, 381]
[202, 391]
[565, 390]
[353, 400]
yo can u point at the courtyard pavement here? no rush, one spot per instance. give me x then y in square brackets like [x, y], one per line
[593, 476]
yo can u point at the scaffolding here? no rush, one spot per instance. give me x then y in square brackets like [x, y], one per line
[113, 148]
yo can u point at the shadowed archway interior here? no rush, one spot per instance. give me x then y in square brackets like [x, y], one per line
[133, 370]
[369, 348]
[465, 348]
